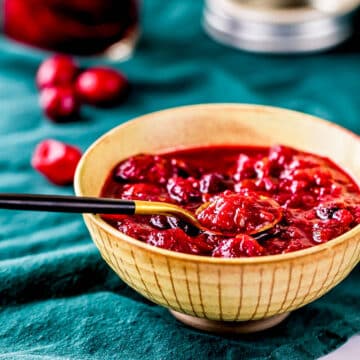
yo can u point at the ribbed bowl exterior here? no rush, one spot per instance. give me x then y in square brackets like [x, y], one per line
[221, 289]
[229, 292]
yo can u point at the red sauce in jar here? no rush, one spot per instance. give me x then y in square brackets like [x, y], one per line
[79, 27]
[296, 199]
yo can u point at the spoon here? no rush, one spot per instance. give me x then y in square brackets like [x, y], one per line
[95, 205]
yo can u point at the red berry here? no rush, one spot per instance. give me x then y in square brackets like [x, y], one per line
[281, 155]
[57, 161]
[59, 103]
[183, 190]
[137, 230]
[344, 217]
[58, 70]
[327, 230]
[177, 240]
[244, 168]
[245, 186]
[171, 239]
[356, 212]
[101, 86]
[212, 183]
[143, 167]
[240, 246]
[144, 191]
[183, 169]
[305, 162]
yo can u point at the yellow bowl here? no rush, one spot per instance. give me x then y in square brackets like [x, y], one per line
[212, 293]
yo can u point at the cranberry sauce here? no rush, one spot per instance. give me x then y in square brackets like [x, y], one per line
[80, 27]
[272, 200]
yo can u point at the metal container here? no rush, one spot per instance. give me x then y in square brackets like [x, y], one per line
[280, 26]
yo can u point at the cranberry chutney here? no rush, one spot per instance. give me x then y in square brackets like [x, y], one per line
[265, 201]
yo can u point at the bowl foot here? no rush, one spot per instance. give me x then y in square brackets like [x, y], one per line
[229, 327]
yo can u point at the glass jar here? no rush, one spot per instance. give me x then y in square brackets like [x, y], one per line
[280, 26]
[79, 27]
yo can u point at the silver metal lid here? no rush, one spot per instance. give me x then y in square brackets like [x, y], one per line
[280, 26]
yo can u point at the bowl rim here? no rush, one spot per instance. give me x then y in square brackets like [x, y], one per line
[325, 247]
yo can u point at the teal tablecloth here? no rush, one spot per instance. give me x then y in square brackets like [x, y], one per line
[58, 299]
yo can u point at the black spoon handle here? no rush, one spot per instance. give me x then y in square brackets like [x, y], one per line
[70, 204]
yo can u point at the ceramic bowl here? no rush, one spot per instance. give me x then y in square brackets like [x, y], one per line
[214, 294]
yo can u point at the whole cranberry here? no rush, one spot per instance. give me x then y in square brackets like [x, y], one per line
[183, 190]
[324, 231]
[171, 239]
[183, 169]
[132, 228]
[101, 86]
[280, 155]
[59, 70]
[177, 240]
[344, 216]
[144, 191]
[56, 160]
[240, 246]
[143, 167]
[212, 183]
[244, 168]
[59, 103]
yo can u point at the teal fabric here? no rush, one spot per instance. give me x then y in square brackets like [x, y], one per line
[58, 299]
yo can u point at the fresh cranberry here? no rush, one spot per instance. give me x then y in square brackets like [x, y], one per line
[57, 161]
[59, 103]
[183, 190]
[101, 86]
[144, 168]
[240, 246]
[59, 70]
